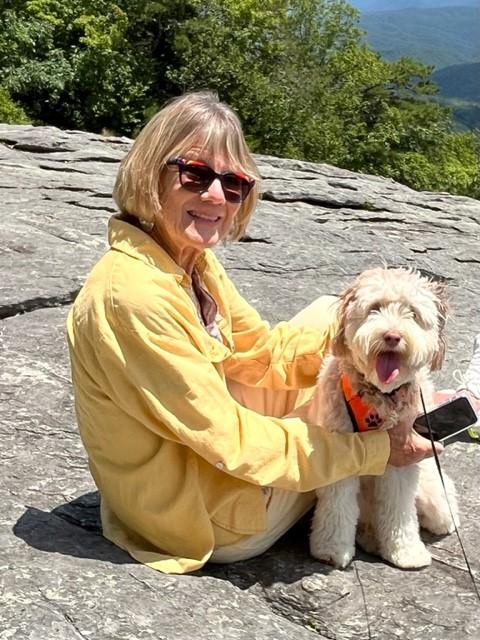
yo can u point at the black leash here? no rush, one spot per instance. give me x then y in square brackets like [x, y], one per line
[437, 462]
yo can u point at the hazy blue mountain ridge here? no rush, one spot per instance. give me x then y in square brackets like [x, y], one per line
[393, 5]
[441, 37]
[448, 38]
[459, 81]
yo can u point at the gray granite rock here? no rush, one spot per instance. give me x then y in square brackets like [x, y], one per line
[316, 227]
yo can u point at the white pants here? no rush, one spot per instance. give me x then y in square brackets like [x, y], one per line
[284, 508]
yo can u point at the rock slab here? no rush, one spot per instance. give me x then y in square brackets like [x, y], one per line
[316, 227]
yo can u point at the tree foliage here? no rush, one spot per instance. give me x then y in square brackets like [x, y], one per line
[87, 64]
[10, 112]
[296, 71]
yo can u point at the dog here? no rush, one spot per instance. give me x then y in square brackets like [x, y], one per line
[390, 336]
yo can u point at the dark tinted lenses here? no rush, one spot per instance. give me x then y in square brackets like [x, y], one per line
[197, 177]
[235, 186]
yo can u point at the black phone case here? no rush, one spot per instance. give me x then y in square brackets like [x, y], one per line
[448, 419]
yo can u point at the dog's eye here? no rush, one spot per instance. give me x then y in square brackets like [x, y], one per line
[415, 315]
[374, 307]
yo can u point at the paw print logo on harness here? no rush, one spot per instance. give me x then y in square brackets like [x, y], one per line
[364, 417]
[373, 421]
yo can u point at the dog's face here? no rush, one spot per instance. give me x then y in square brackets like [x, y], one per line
[391, 325]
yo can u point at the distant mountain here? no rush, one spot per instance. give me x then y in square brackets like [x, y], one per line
[441, 37]
[459, 81]
[466, 115]
[459, 89]
[447, 38]
[393, 5]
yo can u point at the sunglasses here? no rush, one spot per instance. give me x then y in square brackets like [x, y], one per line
[196, 176]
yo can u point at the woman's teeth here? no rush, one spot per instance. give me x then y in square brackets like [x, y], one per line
[201, 216]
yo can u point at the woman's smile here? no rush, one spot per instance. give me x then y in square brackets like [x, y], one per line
[204, 217]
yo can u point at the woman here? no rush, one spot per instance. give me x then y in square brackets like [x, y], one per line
[174, 373]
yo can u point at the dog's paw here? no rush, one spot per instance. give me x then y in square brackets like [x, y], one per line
[413, 556]
[440, 524]
[335, 555]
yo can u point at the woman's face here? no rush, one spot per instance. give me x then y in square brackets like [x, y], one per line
[191, 222]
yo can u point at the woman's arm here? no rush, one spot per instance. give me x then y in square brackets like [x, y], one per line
[155, 374]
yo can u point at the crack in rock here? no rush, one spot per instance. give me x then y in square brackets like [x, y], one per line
[367, 219]
[247, 238]
[98, 159]
[268, 196]
[79, 203]
[295, 614]
[68, 188]
[279, 271]
[56, 608]
[33, 304]
[341, 185]
[63, 168]
[36, 148]
[467, 260]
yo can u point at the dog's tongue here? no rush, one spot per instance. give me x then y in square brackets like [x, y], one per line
[387, 366]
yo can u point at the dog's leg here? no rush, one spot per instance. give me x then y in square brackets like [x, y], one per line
[396, 521]
[366, 534]
[332, 539]
[432, 506]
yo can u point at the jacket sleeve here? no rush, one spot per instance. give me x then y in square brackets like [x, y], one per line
[155, 373]
[281, 357]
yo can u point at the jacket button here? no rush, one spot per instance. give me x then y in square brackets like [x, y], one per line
[220, 466]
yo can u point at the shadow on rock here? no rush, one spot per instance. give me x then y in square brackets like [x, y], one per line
[72, 529]
[288, 561]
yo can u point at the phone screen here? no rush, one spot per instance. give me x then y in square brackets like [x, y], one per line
[448, 419]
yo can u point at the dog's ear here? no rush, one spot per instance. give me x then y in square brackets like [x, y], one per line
[339, 346]
[440, 292]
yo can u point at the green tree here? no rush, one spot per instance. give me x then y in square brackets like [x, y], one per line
[87, 64]
[297, 72]
[10, 112]
[306, 87]
[261, 58]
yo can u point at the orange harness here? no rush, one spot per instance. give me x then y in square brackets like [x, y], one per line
[364, 416]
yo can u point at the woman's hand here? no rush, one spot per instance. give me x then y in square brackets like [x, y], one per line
[407, 446]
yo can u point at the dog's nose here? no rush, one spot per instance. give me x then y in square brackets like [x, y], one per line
[392, 338]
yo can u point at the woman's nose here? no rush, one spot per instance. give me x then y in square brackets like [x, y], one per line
[215, 191]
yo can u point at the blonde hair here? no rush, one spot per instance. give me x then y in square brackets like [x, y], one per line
[192, 119]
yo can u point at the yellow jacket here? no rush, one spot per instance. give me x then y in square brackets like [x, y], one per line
[169, 448]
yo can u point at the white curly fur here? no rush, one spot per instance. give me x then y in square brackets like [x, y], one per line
[381, 512]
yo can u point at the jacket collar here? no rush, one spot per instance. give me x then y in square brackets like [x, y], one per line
[133, 241]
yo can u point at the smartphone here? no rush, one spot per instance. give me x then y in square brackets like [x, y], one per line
[447, 420]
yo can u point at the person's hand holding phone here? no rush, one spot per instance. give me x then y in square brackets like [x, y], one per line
[406, 445]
